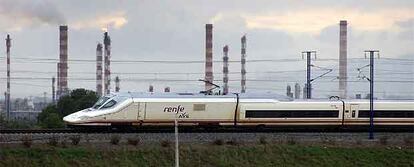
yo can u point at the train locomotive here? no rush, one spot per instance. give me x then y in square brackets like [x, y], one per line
[244, 110]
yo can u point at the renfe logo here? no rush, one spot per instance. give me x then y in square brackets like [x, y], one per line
[177, 109]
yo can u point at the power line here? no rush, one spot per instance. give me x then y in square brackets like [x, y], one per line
[55, 60]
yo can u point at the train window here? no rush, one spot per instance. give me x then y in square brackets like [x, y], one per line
[387, 113]
[199, 107]
[100, 102]
[292, 113]
[109, 104]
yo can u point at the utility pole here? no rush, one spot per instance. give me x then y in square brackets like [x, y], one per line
[177, 152]
[308, 72]
[371, 90]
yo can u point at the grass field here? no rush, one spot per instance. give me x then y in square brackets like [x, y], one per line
[206, 155]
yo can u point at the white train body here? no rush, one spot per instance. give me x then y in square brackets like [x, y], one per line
[199, 109]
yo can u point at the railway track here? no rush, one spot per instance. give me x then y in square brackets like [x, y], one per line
[168, 129]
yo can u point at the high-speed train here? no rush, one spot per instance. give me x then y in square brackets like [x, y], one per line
[144, 109]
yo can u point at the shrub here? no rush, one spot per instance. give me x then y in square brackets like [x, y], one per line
[263, 140]
[133, 141]
[115, 139]
[27, 141]
[75, 140]
[165, 143]
[383, 140]
[53, 141]
[218, 142]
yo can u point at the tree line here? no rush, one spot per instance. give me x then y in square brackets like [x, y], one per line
[52, 115]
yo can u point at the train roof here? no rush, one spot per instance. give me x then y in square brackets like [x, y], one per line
[200, 95]
[246, 96]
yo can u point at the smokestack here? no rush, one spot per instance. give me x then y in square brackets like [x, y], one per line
[107, 55]
[225, 70]
[53, 90]
[209, 56]
[343, 59]
[167, 89]
[117, 88]
[63, 60]
[99, 69]
[8, 45]
[151, 88]
[243, 64]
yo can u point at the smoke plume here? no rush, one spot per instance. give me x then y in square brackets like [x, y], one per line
[16, 14]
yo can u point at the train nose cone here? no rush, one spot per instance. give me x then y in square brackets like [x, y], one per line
[71, 118]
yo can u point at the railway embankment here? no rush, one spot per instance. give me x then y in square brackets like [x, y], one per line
[224, 153]
[398, 139]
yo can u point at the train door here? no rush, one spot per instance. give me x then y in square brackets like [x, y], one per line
[352, 112]
[141, 111]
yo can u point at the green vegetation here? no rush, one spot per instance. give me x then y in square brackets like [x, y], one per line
[78, 99]
[206, 155]
[15, 124]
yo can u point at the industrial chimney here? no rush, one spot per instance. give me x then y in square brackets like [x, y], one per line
[107, 63]
[63, 61]
[243, 64]
[343, 58]
[225, 70]
[7, 98]
[209, 57]
[99, 69]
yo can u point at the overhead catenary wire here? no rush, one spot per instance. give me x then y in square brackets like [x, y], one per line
[54, 60]
[277, 76]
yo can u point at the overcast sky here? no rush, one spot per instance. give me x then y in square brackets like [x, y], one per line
[175, 30]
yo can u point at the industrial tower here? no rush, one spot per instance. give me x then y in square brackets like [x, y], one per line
[225, 70]
[243, 64]
[107, 55]
[209, 57]
[7, 97]
[99, 69]
[343, 59]
[63, 62]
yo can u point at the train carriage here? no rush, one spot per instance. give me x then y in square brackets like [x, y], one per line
[140, 109]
